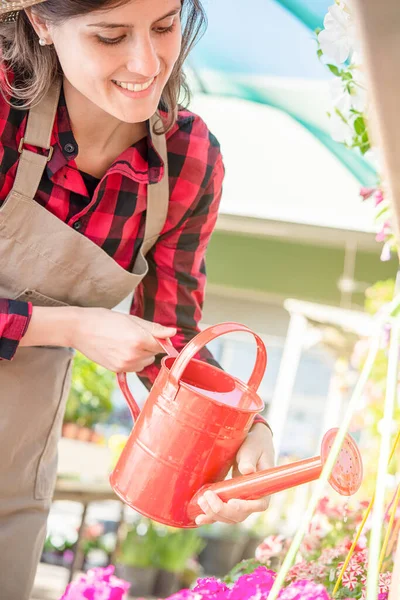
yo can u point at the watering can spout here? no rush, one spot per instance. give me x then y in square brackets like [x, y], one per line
[346, 476]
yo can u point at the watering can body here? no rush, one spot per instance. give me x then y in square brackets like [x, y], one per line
[186, 438]
[188, 433]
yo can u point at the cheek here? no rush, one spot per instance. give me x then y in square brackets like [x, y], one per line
[80, 62]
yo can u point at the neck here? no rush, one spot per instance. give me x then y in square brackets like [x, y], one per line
[97, 131]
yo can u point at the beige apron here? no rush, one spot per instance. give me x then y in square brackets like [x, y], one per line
[45, 261]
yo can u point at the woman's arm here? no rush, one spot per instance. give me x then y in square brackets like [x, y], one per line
[172, 293]
[115, 341]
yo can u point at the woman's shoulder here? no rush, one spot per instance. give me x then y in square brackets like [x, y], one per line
[190, 134]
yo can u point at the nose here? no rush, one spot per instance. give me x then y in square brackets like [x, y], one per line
[143, 59]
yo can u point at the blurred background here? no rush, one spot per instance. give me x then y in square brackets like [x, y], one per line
[294, 256]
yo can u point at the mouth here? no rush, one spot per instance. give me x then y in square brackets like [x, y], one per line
[134, 87]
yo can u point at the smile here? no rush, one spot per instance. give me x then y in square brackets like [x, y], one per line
[134, 87]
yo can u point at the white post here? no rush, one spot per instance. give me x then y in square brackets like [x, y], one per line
[334, 402]
[286, 378]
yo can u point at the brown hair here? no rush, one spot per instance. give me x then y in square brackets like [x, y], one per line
[35, 68]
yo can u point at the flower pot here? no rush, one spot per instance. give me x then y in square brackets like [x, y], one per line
[252, 544]
[84, 434]
[142, 580]
[221, 554]
[167, 583]
[70, 430]
[52, 558]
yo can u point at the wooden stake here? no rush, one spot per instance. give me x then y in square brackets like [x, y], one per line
[379, 28]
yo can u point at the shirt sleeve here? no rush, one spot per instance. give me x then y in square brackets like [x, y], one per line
[172, 293]
[14, 320]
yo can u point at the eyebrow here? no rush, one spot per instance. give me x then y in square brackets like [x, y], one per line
[106, 25]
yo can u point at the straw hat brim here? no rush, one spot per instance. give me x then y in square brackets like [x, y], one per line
[9, 8]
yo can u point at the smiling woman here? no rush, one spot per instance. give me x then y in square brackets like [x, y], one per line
[168, 29]
[107, 186]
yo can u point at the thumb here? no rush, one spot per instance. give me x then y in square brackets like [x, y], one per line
[160, 331]
[247, 458]
[157, 330]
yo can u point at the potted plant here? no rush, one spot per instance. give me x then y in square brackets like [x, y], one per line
[89, 401]
[58, 550]
[224, 546]
[136, 559]
[176, 548]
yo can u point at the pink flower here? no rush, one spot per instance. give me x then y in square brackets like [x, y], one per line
[366, 192]
[94, 531]
[304, 590]
[186, 595]
[211, 588]
[378, 196]
[330, 510]
[385, 579]
[350, 580]
[386, 253]
[271, 546]
[97, 584]
[384, 232]
[254, 586]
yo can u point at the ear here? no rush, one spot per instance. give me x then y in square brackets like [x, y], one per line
[39, 25]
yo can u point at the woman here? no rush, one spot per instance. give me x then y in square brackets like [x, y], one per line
[93, 180]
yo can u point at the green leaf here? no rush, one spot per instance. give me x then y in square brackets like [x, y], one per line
[334, 69]
[245, 567]
[382, 211]
[346, 76]
[319, 53]
[359, 125]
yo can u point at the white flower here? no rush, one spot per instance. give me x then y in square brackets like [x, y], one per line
[341, 131]
[337, 40]
[347, 95]
[341, 99]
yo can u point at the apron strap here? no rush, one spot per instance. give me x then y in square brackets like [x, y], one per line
[157, 194]
[31, 166]
[38, 132]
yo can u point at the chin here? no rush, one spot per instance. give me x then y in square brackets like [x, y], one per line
[138, 115]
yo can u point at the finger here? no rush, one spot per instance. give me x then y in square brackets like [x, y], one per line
[266, 461]
[222, 511]
[249, 506]
[213, 508]
[138, 366]
[155, 330]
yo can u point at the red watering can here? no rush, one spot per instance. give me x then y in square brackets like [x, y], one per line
[191, 427]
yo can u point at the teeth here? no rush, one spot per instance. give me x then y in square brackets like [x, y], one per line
[135, 87]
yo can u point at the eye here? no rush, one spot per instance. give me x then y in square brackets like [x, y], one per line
[167, 29]
[111, 41]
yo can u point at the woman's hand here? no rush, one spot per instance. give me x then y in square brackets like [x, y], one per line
[117, 341]
[114, 340]
[255, 454]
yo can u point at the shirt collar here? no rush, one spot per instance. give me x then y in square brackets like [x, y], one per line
[140, 162]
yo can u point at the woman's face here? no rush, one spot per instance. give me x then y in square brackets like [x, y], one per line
[121, 58]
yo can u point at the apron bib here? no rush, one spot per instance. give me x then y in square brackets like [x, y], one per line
[38, 263]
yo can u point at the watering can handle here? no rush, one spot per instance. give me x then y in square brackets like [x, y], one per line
[123, 382]
[205, 337]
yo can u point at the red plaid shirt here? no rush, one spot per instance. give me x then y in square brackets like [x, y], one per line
[113, 217]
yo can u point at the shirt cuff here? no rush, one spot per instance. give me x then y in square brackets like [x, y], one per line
[15, 317]
[260, 419]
